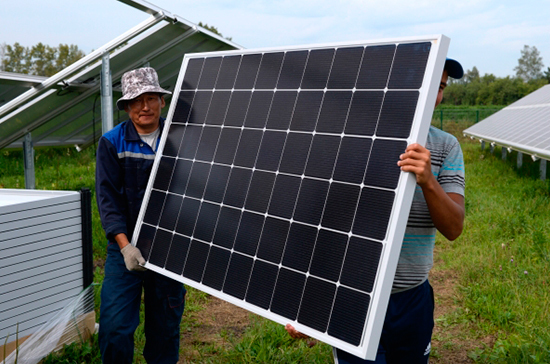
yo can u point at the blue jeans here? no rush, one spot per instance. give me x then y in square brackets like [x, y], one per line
[407, 331]
[119, 313]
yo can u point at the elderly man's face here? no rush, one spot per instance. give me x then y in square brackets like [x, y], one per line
[144, 111]
[442, 85]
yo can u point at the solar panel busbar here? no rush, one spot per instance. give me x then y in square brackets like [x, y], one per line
[276, 185]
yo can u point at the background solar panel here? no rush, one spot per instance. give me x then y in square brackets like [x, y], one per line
[276, 185]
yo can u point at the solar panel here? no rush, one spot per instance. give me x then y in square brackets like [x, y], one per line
[522, 125]
[276, 185]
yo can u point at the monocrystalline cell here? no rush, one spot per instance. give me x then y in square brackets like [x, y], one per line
[235, 194]
[345, 68]
[260, 191]
[178, 254]
[248, 235]
[217, 181]
[192, 74]
[262, 284]
[218, 108]
[247, 150]
[246, 76]
[292, 69]
[352, 159]
[197, 179]
[271, 149]
[269, 70]
[364, 112]
[272, 241]
[190, 142]
[383, 170]
[373, 213]
[228, 72]
[299, 246]
[284, 195]
[311, 201]
[216, 267]
[154, 207]
[334, 111]
[145, 241]
[209, 73]
[295, 153]
[194, 268]
[397, 114]
[260, 104]
[173, 140]
[208, 143]
[349, 315]
[170, 211]
[238, 106]
[227, 146]
[160, 248]
[288, 293]
[361, 264]
[206, 221]
[165, 168]
[316, 303]
[322, 156]
[375, 67]
[409, 65]
[306, 111]
[187, 217]
[180, 177]
[226, 230]
[183, 107]
[281, 110]
[238, 274]
[340, 207]
[328, 255]
[317, 70]
[201, 104]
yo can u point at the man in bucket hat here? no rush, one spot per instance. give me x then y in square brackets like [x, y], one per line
[125, 157]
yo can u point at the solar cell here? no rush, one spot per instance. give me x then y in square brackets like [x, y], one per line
[276, 185]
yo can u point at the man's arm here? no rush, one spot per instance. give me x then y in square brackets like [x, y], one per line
[446, 209]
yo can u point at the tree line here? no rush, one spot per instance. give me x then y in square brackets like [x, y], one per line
[472, 89]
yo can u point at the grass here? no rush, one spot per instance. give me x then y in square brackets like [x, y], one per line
[502, 261]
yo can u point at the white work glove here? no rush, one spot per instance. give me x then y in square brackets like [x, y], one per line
[133, 258]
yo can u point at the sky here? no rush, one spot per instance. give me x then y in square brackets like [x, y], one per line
[487, 34]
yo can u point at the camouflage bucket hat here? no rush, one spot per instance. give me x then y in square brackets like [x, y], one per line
[137, 82]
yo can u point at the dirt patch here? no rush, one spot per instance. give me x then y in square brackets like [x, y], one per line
[453, 337]
[216, 324]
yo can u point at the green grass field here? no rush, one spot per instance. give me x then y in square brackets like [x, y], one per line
[502, 261]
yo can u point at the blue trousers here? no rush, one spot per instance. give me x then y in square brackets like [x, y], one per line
[407, 331]
[119, 313]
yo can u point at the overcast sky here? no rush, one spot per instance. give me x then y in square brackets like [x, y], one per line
[488, 34]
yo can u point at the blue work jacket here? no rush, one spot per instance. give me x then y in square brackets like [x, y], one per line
[124, 163]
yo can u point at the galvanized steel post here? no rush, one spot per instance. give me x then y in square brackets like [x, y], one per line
[107, 122]
[28, 156]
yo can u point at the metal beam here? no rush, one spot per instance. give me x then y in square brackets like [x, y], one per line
[28, 156]
[542, 169]
[106, 95]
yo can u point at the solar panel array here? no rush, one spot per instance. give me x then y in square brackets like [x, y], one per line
[522, 125]
[276, 181]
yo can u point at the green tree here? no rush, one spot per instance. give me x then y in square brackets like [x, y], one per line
[40, 59]
[529, 64]
[213, 30]
[547, 74]
[2, 54]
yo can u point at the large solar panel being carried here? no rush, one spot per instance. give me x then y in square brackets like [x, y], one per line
[523, 125]
[276, 185]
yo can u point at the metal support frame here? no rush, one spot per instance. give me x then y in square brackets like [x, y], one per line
[520, 159]
[504, 151]
[482, 145]
[106, 86]
[542, 169]
[28, 156]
